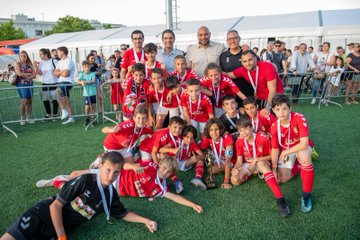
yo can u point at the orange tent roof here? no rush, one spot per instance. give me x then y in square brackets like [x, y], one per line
[16, 42]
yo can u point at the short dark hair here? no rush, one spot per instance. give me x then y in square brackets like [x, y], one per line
[167, 31]
[243, 121]
[249, 100]
[189, 128]
[280, 99]
[172, 82]
[247, 52]
[150, 47]
[137, 32]
[228, 97]
[212, 121]
[64, 50]
[85, 63]
[277, 42]
[193, 81]
[327, 43]
[113, 157]
[139, 67]
[256, 48]
[157, 71]
[177, 120]
[179, 57]
[311, 47]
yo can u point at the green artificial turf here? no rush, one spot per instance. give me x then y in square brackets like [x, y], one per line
[46, 149]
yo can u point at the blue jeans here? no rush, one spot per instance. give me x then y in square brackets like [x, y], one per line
[317, 83]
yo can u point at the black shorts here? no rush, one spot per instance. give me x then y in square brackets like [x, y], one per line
[30, 226]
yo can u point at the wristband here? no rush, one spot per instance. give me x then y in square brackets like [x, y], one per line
[63, 237]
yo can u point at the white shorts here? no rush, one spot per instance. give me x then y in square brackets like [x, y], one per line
[155, 107]
[218, 112]
[173, 112]
[291, 160]
[245, 167]
[335, 81]
[123, 152]
[198, 125]
[182, 166]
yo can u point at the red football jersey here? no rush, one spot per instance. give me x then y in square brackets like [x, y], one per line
[262, 123]
[134, 94]
[174, 102]
[262, 147]
[208, 142]
[227, 86]
[186, 152]
[267, 72]
[125, 137]
[198, 111]
[189, 74]
[146, 184]
[154, 95]
[148, 70]
[128, 58]
[290, 135]
[161, 138]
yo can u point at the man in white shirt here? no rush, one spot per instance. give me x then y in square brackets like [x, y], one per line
[200, 55]
[65, 70]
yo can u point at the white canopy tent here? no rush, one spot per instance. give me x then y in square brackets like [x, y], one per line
[339, 27]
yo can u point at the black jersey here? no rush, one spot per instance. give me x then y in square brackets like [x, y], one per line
[230, 127]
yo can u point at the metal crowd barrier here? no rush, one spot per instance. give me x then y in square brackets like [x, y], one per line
[301, 86]
[10, 103]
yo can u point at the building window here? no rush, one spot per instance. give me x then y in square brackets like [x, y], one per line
[38, 32]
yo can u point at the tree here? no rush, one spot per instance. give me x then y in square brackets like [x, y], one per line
[107, 26]
[9, 32]
[70, 24]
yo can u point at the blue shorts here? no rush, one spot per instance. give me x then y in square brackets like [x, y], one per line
[90, 100]
[25, 92]
[64, 90]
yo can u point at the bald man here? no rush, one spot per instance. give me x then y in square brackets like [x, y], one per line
[200, 55]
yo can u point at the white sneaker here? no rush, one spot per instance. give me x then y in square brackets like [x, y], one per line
[198, 183]
[29, 120]
[313, 101]
[64, 114]
[70, 120]
[22, 122]
[49, 182]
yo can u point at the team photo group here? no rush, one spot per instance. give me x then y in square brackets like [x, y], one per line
[208, 111]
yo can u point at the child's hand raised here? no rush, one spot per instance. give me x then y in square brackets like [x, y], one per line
[151, 225]
[198, 208]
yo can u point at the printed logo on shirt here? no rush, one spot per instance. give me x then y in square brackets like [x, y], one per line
[85, 210]
[295, 130]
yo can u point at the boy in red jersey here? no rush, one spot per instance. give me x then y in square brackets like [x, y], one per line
[150, 146]
[155, 94]
[253, 156]
[135, 92]
[196, 105]
[259, 122]
[230, 116]
[150, 50]
[290, 141]
[170, 101]
[150, 181]
[123, 137]
[217, 86]
[188, 154]
[182, 72]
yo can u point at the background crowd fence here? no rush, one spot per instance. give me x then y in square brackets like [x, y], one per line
[10, 103]
[300, 86]
[110, 113]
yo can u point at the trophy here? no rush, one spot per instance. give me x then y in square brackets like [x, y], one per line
[209, 160]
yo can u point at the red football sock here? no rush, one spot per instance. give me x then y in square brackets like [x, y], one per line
[58, 183]
[273, 184]
[199, 171]
[296, 168]
[174, 178]
[307, 177]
